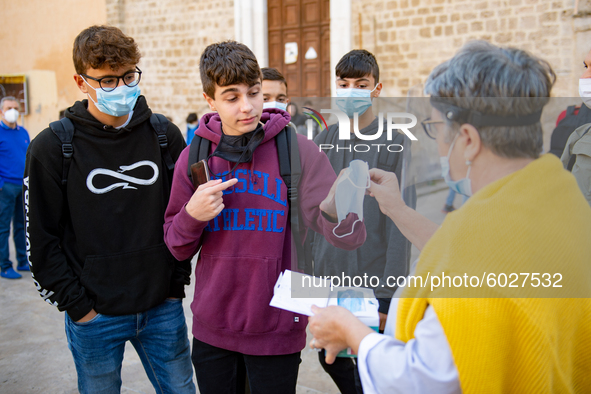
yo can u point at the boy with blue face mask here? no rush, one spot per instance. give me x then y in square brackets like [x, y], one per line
[357, 84]
[94, 223]
[386, 251]
[274, 89]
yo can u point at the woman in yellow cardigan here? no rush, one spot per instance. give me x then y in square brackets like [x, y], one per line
[501, 323]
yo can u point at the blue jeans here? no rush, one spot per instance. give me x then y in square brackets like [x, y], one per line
[159, 335]
[11, 210]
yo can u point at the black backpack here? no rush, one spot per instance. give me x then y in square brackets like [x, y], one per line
[199, 150]
[64, 130]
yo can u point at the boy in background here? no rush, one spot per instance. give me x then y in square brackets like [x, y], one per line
[274, 89]
[386, 251]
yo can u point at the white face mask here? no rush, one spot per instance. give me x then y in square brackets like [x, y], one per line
[350, 193]
[11, 116]
[275, 104]
[585, 90]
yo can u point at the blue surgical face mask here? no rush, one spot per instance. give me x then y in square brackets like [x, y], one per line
[464, 185]
[118, 102]
[354, 100]
[192, 126]
[275, 104]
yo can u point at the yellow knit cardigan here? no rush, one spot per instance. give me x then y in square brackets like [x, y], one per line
[532, 221]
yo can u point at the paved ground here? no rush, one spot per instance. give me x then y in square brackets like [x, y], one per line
[34, 357]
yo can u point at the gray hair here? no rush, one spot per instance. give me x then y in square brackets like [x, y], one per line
[504, 82]
[7, 98]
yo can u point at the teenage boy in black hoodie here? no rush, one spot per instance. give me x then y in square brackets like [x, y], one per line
[95, 243]
[386, 251]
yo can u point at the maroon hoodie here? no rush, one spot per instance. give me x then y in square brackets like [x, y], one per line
[244, 249]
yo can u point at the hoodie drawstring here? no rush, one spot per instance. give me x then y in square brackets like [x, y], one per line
[253, 179]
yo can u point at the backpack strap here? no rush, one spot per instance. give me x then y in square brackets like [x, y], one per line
[64, 130]
[160, 125]
[198, 150]
[290, 168]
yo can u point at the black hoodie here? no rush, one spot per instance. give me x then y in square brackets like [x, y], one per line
[100, 244]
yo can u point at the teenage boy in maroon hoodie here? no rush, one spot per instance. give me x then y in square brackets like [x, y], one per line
[242, 228]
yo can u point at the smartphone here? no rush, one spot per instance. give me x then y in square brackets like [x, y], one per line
[199, 173]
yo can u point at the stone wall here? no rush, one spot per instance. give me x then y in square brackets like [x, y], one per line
[171, 35]
[410, 37]
[36, 37]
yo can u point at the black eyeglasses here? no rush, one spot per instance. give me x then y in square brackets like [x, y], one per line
[429, 128]
[109, 83]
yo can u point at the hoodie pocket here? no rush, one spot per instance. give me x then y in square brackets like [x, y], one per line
[233, 293]
[129, 282]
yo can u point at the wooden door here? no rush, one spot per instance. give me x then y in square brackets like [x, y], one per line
[305, 24]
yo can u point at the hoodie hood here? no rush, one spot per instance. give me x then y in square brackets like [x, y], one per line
[79, 114]
[275, 120]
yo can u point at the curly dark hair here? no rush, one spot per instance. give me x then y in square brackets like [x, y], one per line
[99, 45]
[228, 63]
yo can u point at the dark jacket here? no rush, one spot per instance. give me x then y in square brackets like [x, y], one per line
[99, 244]
[386, 252]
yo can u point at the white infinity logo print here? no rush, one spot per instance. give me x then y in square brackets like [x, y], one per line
[119, 175]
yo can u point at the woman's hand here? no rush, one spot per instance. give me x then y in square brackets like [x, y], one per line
[384, 188]
[335, 329]
[414, 226]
